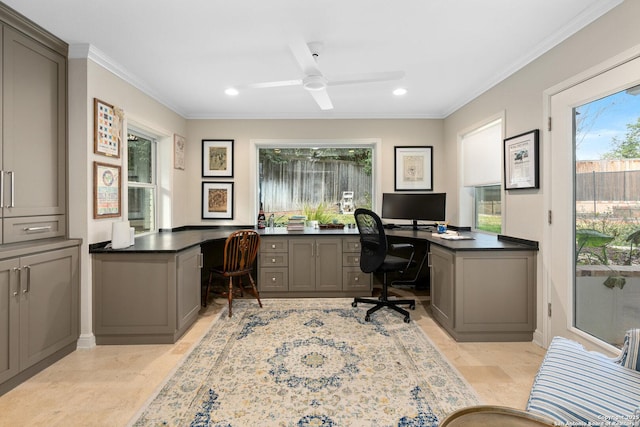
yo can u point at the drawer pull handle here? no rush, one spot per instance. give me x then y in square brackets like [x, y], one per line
[356, 259]
[37, 229]
[273, 279]
[273, 260]
[273, 246]
[356, 279]
[357, 245]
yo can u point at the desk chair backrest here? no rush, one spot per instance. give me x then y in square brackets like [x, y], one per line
[240, 250]
[373, 241]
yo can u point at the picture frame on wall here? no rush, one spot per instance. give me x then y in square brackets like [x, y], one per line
[107, 127]
[217, 158]
[179, 144]
[107, 197]
[217, 200]
[413, 168]
[521, 161]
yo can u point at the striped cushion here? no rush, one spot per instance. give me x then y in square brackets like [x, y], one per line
[578, 387]
[629, 356]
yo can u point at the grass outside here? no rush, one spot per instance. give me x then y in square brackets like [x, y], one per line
[489, 223]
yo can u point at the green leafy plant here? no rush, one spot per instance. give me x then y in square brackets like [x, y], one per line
[318, 213]
[590, 238]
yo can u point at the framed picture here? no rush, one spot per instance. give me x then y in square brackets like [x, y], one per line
[413, 168]
[106, 190]
[179, 143]
[107, 126]
[521, 162]
[217, 157]
[217, 200]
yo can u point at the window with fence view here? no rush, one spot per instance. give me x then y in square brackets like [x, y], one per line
[325, 184]
[607, 215]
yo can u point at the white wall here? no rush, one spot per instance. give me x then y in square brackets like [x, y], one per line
[391, 132]
[521, 98]
[87, 81]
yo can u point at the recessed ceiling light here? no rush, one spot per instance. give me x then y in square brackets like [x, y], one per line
[231, 91]
[400, 91]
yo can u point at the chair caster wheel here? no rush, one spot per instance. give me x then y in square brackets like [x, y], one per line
[412, 307]
[367, 318]
[354, 304]
[407, 319]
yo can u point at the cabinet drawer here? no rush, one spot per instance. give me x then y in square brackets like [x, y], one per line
[354, 279]
[273, 279]
[22, 229]
[273, 245]
[274, 259]
[351, 259]
[351, 245]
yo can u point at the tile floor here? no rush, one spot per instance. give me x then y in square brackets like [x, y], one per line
[107, 385]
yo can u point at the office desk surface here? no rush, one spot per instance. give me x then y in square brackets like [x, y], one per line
[176, 241]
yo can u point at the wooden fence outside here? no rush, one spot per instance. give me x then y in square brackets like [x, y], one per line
[290, 186]
[622, 186]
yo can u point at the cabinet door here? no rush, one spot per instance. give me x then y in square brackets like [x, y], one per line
[442, 285]
[188, 290]
[302, 264]
[329, 264]
[34, 128]
[48, 304]
[9, 319]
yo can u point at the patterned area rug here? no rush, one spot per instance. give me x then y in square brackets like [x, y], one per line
[309, 362]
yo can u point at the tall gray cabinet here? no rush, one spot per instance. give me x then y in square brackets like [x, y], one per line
[33, 136]
[39, 281]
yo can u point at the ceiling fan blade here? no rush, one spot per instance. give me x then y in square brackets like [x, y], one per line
[304, 57]
[322, 98]
[365, 78]
[282, 83]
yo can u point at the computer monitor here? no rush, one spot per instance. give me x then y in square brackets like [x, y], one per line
[415, 207]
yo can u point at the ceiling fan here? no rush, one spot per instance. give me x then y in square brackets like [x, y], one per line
[315, 82]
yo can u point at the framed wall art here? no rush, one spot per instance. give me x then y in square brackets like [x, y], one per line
[217, 158]
[106, 190]
[217, 200]
[179, 143]
[521, 162]
[413, 168]
[107, 126]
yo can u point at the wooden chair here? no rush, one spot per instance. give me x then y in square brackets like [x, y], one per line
[240, 250]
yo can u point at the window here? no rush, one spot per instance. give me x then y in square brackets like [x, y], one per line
[324, 182]
[141, 161]
[482, 154]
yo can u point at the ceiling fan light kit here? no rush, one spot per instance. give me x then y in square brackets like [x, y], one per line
[314, 83]
[306, 55]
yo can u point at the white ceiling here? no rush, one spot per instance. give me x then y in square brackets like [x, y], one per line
[186, 53]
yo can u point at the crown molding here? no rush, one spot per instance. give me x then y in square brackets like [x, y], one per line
[88, 51]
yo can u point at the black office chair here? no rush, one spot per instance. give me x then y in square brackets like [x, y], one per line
[374, 258]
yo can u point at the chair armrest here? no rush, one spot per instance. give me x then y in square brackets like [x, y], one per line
[400, 246]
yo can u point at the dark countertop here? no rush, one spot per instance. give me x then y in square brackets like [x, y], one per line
[176, 241]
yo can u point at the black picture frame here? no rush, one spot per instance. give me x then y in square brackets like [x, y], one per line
[413, 168]
[522, 161]
[217, 200]
[217, 158]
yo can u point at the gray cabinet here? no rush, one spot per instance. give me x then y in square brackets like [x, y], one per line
[311, 266]
[315, 264]
[273, 261]
[353, 279]
[484, 295]
[33, 138]
[39, 300]
[145, 298]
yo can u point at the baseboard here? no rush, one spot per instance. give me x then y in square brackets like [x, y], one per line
[86, 341]
[538, 338]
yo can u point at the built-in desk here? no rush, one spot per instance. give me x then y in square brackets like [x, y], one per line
[481, 289]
